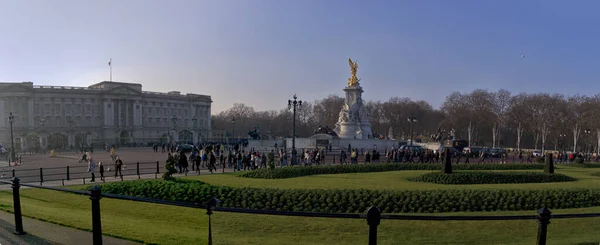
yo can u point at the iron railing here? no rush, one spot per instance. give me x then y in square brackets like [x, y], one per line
[373, 215]
[70, 172]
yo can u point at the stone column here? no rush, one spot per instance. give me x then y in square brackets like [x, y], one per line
[119, 104]
[127, 104]
[106, 113]
[30, 112]
[71, 139]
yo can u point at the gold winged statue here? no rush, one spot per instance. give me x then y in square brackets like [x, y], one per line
[353, 80]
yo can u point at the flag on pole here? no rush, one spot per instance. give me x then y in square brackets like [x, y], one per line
[110, 62]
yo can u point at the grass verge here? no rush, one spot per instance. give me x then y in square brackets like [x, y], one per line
[160, 224]
[394, 180]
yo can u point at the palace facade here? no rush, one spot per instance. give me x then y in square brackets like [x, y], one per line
[103, 113]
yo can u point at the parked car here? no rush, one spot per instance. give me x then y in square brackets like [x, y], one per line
[412, 148]
[474, 151]
[495, 152]
[453, 151]
[537, 153]
[185, 148]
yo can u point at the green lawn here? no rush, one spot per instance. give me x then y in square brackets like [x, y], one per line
[396, 180]
[162, 224]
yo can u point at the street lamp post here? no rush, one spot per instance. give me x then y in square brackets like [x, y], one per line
[42, 142]
[587, 132]
[294, 105]
[11, 120]
[412, 120]
[562, 141]
[233, 129]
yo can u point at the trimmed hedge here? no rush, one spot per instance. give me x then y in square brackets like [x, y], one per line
[298, 171]
[353, 201]
[468, 178]
[584, 165]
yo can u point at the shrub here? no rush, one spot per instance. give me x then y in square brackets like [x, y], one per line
[597, 174]
[584, 165]
[298, 171]
[468, 178]
[579, 160]
[353, 201]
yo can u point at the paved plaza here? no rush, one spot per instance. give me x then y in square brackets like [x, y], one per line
[54, 169]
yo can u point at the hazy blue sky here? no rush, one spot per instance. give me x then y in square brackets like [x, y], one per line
[262, 52]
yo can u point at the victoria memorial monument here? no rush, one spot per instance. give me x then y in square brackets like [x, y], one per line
[353, 121]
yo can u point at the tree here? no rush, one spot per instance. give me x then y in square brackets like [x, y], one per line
[579, 109]
[376, 118]
[326, 111]
[501, 106]
[519, 118]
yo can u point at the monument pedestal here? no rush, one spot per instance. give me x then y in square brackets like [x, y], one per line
[353, 121]
[349, 130]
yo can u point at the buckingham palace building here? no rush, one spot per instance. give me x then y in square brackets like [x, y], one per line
[118, 113]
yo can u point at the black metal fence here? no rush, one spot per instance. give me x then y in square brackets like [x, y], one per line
[75, 172]
[373, 215]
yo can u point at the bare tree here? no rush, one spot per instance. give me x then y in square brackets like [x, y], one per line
[518, 116]
[579, 107]
[501, 102]
[326, 111]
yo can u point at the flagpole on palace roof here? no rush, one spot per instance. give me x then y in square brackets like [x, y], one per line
[110, 67]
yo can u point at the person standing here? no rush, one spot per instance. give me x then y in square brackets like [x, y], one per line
[118, 167]
[101, 169]
[212, 162]
[91, 169]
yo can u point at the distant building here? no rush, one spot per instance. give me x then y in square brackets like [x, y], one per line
[103, 113]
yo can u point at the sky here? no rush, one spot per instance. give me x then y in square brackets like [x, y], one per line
[262, 52]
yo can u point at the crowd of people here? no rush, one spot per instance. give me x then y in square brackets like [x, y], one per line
[238, 158]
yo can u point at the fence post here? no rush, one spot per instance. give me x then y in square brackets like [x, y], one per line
[544, 216]
[95, 196]
[13, 173]
[17, 206]
[210, 206]
[373, 220]
[137, 170]
[157, 167]
[68, 173]
[41, 176]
